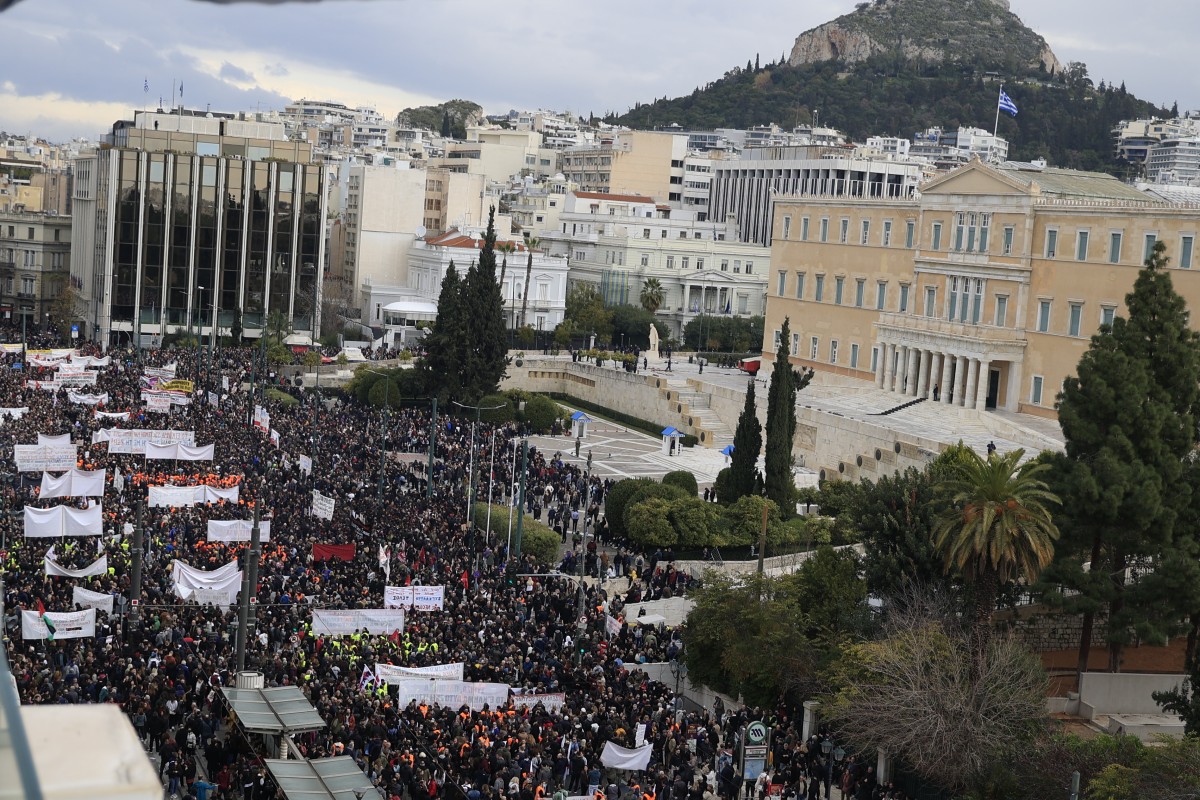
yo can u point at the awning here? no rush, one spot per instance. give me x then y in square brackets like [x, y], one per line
[579, 416]
[322, 779]
[412, 307]
[671, 432]
[281, 709]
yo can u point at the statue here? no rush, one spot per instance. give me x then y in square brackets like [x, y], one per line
[652, 351]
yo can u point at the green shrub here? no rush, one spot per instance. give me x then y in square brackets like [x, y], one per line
[540, 413]
[649, 525]
[384, 391]
[693, 521]
[836, 496]
[617, 500]
[689, 440]
[684, 480]
[721, 484]
[281, 397]
[742, 522]
[536, 538]
[506, 413]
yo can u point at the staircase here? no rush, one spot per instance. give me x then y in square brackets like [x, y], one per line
[900, 407]
[691, 408]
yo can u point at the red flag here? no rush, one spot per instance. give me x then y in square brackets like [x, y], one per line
[466, 579]
[42, 608]
[408, 579]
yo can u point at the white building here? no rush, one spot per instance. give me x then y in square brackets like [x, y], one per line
[616, 242]
[1174, 160]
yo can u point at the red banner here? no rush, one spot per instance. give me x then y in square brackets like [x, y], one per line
[324, 552]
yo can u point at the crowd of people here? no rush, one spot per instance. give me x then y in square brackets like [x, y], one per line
[506, 618]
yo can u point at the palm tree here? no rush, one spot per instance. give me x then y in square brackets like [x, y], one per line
[995, 526]
[531, 243]
[652, 295]
[505, 248]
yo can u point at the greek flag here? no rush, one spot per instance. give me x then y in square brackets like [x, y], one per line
[146, 85]
[1006, 103]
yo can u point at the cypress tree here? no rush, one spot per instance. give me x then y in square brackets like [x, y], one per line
[485, 343]
[781, 424]
[747, 443]
[443, 358]
[1129, 420]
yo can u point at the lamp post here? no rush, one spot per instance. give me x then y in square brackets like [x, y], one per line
[387, 390]
[678, 671]
[826, 747]
[471, 461]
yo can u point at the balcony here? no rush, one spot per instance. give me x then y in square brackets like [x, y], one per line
[932, 333]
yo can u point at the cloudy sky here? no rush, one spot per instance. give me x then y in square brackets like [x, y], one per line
[73, 67]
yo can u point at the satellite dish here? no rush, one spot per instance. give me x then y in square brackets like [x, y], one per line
[421, 231]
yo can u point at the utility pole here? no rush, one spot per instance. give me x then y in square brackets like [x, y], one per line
[471, 461]
[432, 448]
[249, 584]
[521, 498]
[582, 556]
[135, 581]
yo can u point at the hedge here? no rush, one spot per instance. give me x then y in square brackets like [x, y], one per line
[536, 538]
[645, 426]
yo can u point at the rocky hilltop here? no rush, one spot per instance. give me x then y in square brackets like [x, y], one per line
[971, 32]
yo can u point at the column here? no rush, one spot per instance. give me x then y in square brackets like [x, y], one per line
[811, 709]
[1013, 386]
[913, 357]
[923, 375]
[972, 384]
[901, 368]
[960, 380]
[889, 352]
[985, 375]
[880, 364]
[935, 370]
[947, 360]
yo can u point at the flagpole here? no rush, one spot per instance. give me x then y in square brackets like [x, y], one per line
[996, 126]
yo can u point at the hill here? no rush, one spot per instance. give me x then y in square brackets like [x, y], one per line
[459, 114]
[867, 88]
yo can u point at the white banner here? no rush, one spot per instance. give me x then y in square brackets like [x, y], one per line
[168, 397]
[45, 458]
[387, 673]
[63, 521]
[67, 624]
[261, 419]
[113, 414]
[15, 413]
[121, 440]
[100, 601]
[322, 506]
[551, 702]
[52, 567]
[62, 439]
[184, 496]
[216, 597]
[90, 361]
[237, 530]
[45, 386]
[379, 621]
[162, 373]
[75, 378]
[213, 399]
[76, 483]
[187, 579]
[158, 404]
[88, 399]
[179, 452]
[617, 757]
[452, 694]
[418, 598]
[306, 465]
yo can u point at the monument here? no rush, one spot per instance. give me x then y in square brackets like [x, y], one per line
[652, 351]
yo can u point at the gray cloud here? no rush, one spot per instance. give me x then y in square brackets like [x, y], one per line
[230, 72]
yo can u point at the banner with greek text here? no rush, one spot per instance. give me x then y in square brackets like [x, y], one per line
[45, 458]
[322, 506]
[452, 694]
[418, 598]
[551, 702]
[101, 601]
[87, 399]
[60, 439]
[67, 624]
[121, 440]
[387, 673]
[237, 530]
[379, 621]
[305, 465]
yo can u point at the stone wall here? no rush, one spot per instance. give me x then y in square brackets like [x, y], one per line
[1042, 629]
[635, 394]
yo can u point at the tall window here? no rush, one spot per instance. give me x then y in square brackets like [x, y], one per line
[960, 230]
[880, 295]
[820, 296]
[839, 284]
[804, 229]
[670, 262]
[799, 285]
[853, 356]
[787, 227]
[953, 289]
[844, 231]
[910, 230]
[860, 287]
[782, 283]
[1001, 318]
[1114, 248]
[866, 232]
[937, 236]
[930, 301]
[1043, 320]
[1035, 392]
[1008, 239]
[887, 233]
[833, 351]
[1185, 252]
[1051, 243]
[814, 346]
[1081, 246]
[903, 298]
[1076, 316]
[824, 229]
[1106, 315]
[1151, 238]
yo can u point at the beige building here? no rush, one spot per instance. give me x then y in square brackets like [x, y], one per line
[982, 292]
[35, 260]
[647, 163]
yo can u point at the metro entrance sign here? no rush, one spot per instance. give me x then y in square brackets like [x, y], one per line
[754, 750]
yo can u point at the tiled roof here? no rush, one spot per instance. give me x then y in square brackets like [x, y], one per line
[618, 198]
[454, 238]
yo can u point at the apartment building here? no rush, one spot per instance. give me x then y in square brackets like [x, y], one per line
[980, 293]
[1174, 161]
[616, 242]
[180, 212]
[35, 259]
[645, 163]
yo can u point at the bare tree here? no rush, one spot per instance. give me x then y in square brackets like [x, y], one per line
[918, 694]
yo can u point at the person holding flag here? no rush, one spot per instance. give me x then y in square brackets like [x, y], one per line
[45, 617]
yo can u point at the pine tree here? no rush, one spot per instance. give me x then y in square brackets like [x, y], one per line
[747, 444]
[443, 357]
[1129, 420]
[781, 424]
[485, 342]
[447, 130]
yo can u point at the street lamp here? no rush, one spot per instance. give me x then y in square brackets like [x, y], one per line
[678, 670]
[471, 462]
[826, 746]
[387, 390]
